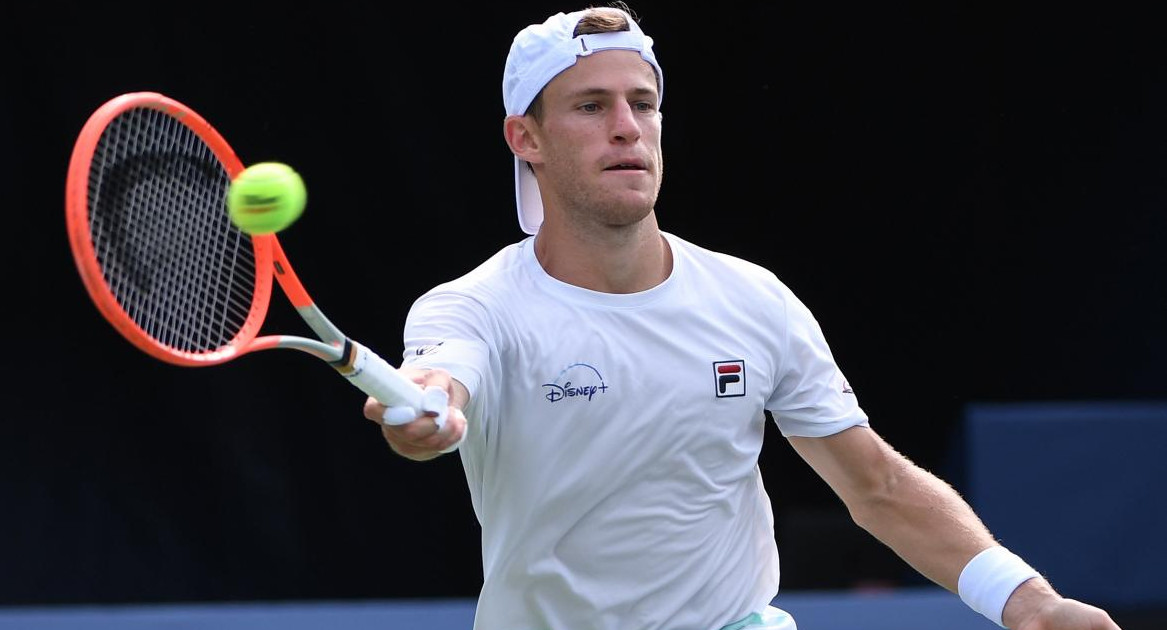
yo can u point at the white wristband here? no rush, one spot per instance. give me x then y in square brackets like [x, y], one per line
[988, 580]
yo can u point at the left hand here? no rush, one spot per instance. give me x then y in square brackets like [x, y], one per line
[1035, 606]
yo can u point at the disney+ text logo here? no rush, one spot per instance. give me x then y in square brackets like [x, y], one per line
[578, 380]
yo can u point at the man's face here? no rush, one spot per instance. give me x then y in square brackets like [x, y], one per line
[599, 140]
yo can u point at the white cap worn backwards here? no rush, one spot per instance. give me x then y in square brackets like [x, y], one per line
[538, 54]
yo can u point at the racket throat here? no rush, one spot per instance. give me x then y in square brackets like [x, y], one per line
[347, 363]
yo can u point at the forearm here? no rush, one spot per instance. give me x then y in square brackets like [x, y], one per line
[933, 529]
[922, 519]
[917, 515]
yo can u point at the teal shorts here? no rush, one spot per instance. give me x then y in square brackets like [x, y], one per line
[770, 619]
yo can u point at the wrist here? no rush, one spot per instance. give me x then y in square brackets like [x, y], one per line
[1027, 601]
[990, 578]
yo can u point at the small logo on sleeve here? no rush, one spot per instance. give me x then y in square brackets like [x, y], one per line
[428, 349]
[729, 378]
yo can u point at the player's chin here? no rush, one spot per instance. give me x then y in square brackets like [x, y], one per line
[628, 215]
[628, 204]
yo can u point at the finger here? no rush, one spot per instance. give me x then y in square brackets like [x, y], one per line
[422, 439]
[417, 431]
[455, 445]
[412, 451]
[374, 410]
[398, 415]
[435, 401]
[420, 375]
[451, 434]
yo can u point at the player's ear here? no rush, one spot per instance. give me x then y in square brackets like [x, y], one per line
[522, 137]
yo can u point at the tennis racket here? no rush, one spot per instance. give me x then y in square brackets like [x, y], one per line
[145, 209]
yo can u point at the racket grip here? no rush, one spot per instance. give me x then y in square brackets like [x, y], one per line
[374, 376]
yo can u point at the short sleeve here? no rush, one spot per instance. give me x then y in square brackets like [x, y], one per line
[812, 397]
[448, 330]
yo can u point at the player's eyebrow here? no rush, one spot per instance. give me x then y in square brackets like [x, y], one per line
[639, 92]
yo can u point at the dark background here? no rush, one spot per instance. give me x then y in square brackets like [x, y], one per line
[969, 197]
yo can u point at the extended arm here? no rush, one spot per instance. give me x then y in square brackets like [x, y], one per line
[928, 524]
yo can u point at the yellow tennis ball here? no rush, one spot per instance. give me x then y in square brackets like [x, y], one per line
[266, 197]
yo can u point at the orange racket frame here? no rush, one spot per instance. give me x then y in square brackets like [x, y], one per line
[361, 366]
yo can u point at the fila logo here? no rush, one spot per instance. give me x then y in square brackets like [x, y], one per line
[730, 378]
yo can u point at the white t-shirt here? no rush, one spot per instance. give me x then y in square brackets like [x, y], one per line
[613, 440]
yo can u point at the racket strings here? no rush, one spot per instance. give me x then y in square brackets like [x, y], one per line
[168, 252]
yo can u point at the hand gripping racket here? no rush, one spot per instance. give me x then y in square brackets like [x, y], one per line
[145, 208]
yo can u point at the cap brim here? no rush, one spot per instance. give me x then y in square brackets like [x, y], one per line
[527, 198]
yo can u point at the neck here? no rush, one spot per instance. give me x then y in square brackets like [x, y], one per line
[624, 259]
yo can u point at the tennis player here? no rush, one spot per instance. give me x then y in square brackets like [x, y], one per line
[615, 381]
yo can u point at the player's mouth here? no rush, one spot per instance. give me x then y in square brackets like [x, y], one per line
[627, 165]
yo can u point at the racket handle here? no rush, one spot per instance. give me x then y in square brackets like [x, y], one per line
[374, 376]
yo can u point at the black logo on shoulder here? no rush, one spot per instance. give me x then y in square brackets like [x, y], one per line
[428, 349]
